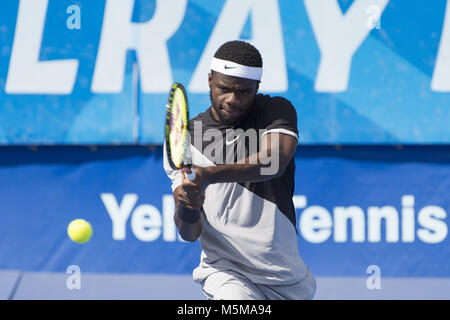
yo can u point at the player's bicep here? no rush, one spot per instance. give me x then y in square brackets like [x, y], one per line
[279, 148]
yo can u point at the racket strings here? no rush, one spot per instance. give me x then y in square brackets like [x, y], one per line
[178, 126]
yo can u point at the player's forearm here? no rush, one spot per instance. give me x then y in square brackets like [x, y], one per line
[189, 231]
[260, 167]
[187, 217]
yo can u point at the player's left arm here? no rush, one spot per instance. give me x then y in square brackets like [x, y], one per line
[276, 152]
[277, 148]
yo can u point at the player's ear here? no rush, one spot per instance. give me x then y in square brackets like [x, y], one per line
[257, 86]
[210, 79]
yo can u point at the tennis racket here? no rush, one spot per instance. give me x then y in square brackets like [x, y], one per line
[177, 130]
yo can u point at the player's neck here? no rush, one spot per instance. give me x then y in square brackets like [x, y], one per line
[214, 115]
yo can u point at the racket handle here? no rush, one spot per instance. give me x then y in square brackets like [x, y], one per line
[190, 176]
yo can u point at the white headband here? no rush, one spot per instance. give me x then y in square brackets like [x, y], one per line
[235, 69]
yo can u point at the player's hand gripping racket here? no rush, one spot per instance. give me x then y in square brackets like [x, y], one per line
[177, 130]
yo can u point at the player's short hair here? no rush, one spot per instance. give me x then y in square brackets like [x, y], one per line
[240, 52]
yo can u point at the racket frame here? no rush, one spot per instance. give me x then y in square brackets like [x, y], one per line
[186, 153]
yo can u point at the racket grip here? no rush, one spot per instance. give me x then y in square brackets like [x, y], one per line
[190, 176]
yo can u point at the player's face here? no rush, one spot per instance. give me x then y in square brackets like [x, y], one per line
[231, 97]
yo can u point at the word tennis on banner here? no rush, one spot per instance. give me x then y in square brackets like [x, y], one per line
[316, 223]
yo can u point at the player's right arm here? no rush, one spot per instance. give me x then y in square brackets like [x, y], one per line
[185, 196]
[189, 227]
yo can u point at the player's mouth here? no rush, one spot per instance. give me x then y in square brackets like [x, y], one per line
[231, 112]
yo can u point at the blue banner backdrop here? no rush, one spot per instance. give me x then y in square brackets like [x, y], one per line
[99, 72]
[356, 206]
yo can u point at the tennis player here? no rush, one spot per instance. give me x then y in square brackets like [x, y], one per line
[246, 219]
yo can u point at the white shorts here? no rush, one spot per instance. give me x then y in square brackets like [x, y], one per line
[230, 285]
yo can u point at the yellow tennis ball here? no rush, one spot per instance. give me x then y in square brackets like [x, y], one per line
[79, 230]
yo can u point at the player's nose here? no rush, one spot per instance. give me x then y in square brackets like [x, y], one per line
[234, 104]
[232, 100]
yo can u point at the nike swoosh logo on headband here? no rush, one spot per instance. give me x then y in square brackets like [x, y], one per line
[232, 68]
